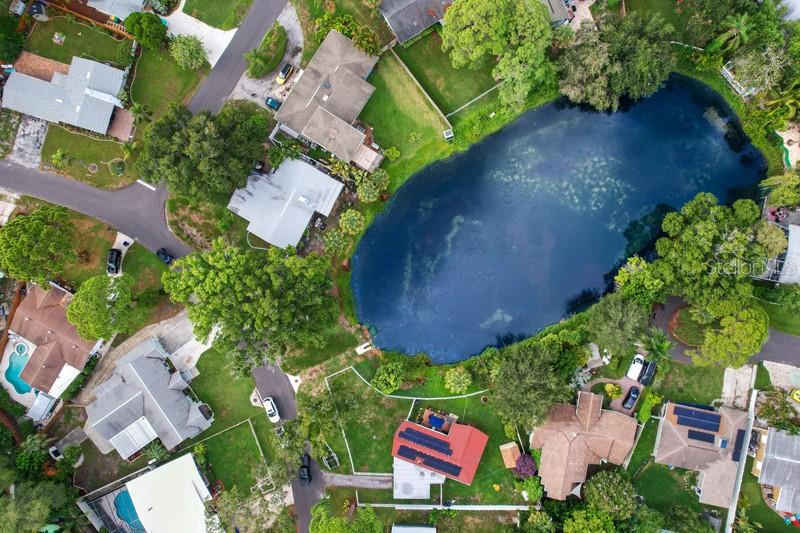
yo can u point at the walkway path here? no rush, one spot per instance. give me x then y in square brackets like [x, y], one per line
[228, 70]
[358, 482]
[134, 210]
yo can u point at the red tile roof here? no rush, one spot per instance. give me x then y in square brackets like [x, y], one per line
[466, 442]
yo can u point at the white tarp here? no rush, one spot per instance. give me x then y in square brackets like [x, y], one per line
[790, 273]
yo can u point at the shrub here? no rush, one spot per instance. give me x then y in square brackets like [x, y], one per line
[147, 29]
[613, 391]
[31, 455]
[391, 153]
[351, 222]
[266, 58]
[155, 451]
[77, 384]
[11, 41]
[613, 4]
[525, 467]
[389, 377]
[531, 485]
[457, 380]
[72, 454]
[188, 52]
[199, 452]
[651, 399]
[60, 158]
[363, 37]
[336, 242]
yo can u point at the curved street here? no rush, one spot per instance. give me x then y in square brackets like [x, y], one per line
[134, 210]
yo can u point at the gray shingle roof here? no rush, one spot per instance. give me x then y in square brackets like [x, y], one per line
[117, 8]
[781, 467]
[409, 18]
[556, 9]
[85, 97]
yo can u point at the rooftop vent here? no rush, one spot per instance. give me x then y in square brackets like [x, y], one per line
[303, 200]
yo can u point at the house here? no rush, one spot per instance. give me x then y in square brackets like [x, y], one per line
[510, 453]
[790, 272]
[327, 98]
[780, 468]
[168, 499]
[708, 441]
[143, 401]
[576, 436]
[452, 450]
[85, 97]
[49, 350]
[119, 9]
[280, 205]
[409, 18]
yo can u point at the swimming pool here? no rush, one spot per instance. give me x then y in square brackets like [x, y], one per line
[127, 512]
[16, 363]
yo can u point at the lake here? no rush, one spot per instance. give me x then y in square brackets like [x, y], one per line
[527, 226]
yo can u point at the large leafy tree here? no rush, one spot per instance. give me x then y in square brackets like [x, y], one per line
[686, 520]
[36, 247]
[627, 56]
[527, 383]
[738, 338]
[616, 323]
[610, 491]
[517, 32]
[102, 306]
[202, 156]
[737, 33]
[647, 520]
[263, 302]
[589, 520]
[188, 52]
[638, 282]
[784, 189]
[11, 41]
[33, 506]
[147, 28]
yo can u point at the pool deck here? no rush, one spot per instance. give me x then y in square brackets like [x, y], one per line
[24, 399]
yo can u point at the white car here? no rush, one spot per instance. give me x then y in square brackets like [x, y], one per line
[272, 410]
[635, 370]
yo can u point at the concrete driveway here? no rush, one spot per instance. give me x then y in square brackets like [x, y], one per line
[306, 496]
[134, 210]
[214, 40]
[271, 381]
[625, 383]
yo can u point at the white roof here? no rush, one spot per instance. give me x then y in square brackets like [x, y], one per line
[171, 498]
[280, 205]
[790, 273]
[412, 482]
[413, 529]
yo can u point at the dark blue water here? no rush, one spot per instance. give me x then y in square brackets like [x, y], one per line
[502, 240]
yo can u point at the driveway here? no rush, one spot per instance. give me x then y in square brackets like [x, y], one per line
[134, 210]
[625, 384]
[305, 497]
[228, 70]
[214, 40]
[271, 381]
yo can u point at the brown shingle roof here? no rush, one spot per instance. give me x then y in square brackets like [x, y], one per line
[510, 452]
[573, 437]
[41, 319]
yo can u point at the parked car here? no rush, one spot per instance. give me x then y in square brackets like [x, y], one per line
[272, 410]
[795, 395]
[273, 103]
[635, 370]
[648, 373]
[164, 255]
[630, 399]
[114, 261]
[285, 73]
[304, 474]
[55, 453]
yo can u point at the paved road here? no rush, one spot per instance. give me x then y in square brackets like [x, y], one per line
[226, 73]
[134, 210]
[305, 496]
[779, 348]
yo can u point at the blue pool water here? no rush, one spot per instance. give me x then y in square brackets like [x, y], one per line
[16, 363]
[127, 512]
[510, 236]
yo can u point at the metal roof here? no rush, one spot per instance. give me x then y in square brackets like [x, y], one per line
[781, 467]
[409, 18]
[117, 8]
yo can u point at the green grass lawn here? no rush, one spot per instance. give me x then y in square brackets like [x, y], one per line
[427, 383]
[449, 87]
[9, 121]
[81, 39]
[84, 151]
[199, 223]
[663, 488]
[690, 383]
[758, 510]
[159, 81]
[337, 340]
[233, 456]
[225, 15]
[644, 448]
[145, 267]
[91, 240]
[763, 381]
[668, 10]
[397, 110]
[782, 319]
[687, 330]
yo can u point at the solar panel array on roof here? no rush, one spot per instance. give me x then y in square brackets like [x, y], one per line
[429, 461]
[737, 448]
[425, 440]
[698, 414]
[696, 406]
[701, 436]
[699, 424]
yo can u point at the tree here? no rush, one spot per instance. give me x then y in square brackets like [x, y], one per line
[612, 390]
[736, 34]
[263, 302]
[761, 68]
[336, 242]
[392, 153]
[140, 113]
[363, 521]
[11, 41]
[611, 492]
[638, 282]
[202, 156]
[517, 32]
[648, 520]
[351, 222]
[686, 520]
[278, 153]
[369, 185]
[738, 338]
[651, 399]
[539, 522]
[785, 296]
[627, 56]
[528, 383]
[147, 28]
[31, 455]
[784, 189]
[102, 306]
[524, 467]
[657, 345]
[563, 36]
[389, 377]
[588, 520]
[155, 451]
[362, 36]
[616, 323]
[532, 486]
[772, 239]
[60, 158]
[35, 247]
[188, 52]
[779, 412]
[33, 506]
[457, 380]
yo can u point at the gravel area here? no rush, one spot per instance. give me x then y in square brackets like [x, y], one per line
[28, 144]
[783, 376]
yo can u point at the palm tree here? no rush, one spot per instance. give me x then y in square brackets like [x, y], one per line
[127, 149]
[139, 112]
[736, 34]
[658, 345]
[785, 103]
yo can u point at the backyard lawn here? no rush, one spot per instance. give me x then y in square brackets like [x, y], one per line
[159, 81]
[80, 39]
[687, 330]
[691, 383]
[758, 510]
[145, 267]
[337, 340]
[427, 383]
[404, 119]
[782, 319]
[199, 223]
[83, 152]
[663, 488]
[91, 240]
[233, 456]
[449, 87]
[225, 15]
[668, 9]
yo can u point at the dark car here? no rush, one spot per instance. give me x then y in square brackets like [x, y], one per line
[114, 261]
[630, 399]
[648, 373]
[164, 255]
[273, 103]
[304, 474]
